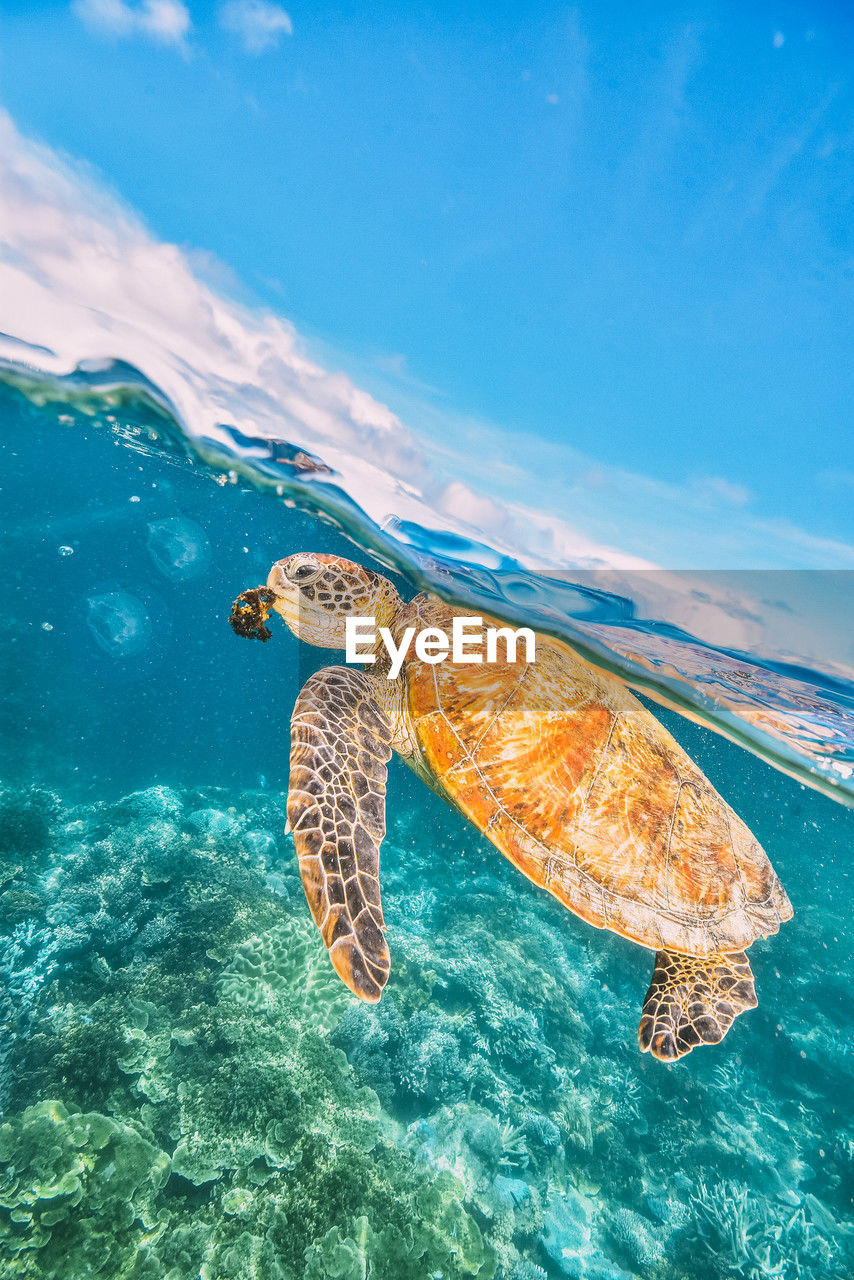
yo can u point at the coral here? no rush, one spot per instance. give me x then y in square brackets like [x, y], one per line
[237, 1201]
[392, 1253]
[246, 1255]
[568, 1240]
[567, 1230]
[274, 1105]
[542, 1131]
[514, 1151]
[576, 1116]
[76, 1187]
[335, 1258]
[484, 1136]
[444, 1219]
[154, 804]
[757, 1240]
[430, 1064]
[213, 827]
[289, 961]
[20, 904]
[286, 1115]
[467, 1139]
[510, 1192]
[635, 1237]
[166, 983]
[671, 1213]
[518, 1033]
[528, 1271]
[73, 1053]
[410, 1060]
[627, 1098]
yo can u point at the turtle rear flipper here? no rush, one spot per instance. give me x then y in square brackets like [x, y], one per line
[693, 1000]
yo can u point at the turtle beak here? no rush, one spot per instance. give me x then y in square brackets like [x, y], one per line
[285, 596]
[281, 585]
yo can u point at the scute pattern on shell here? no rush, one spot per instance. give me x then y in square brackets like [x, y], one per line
[590, 797]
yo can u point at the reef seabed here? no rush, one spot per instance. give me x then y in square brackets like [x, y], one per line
[188, 1090]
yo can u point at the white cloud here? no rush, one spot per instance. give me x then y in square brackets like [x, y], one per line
[258, 24]
[166, 21]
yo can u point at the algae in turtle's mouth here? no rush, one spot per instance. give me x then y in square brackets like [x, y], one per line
[250, 612]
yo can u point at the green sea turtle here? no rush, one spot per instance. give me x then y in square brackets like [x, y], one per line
[553, 760]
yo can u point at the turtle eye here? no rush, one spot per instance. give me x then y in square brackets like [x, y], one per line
[304, 571]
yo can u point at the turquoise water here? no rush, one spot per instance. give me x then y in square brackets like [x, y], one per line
[187, 1088]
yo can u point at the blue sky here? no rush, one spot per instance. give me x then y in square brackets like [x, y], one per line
[622, 228]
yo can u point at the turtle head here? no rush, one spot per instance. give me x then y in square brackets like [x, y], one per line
[315, 594]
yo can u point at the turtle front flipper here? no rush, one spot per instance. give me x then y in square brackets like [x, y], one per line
[340, 745]
[693, 1000]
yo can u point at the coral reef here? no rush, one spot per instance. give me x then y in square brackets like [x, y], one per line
[758, 1237]
[173, 986]
[190, 1091]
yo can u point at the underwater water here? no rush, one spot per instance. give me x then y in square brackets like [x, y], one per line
[189, 1090]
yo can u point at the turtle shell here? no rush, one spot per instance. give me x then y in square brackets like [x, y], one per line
[589, 796]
